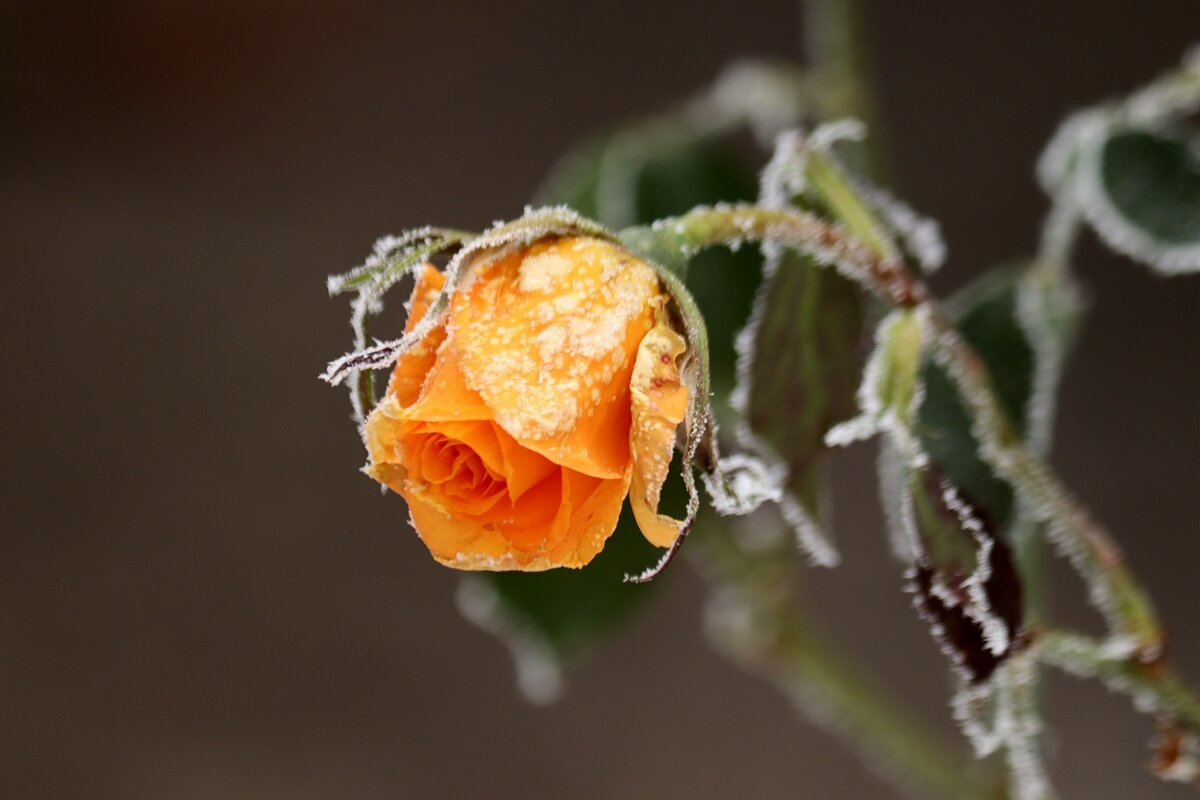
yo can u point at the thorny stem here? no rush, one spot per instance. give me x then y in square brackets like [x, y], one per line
[1087, 657]
[1091, 549]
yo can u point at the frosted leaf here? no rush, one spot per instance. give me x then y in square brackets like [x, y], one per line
[700, 429]
[392, 258]
[741, 483]
[539, 673]
[991, 433]
[920, 236]
[891, 391]
[1056, 162]
[1049, 315]
[1120, 167]
[787, 176]
[1109, 196]
[808, 319]
[784, 175]
[827, 134]
[895, 494]
[964, 581]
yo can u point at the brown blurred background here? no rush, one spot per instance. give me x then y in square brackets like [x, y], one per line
[200, 597]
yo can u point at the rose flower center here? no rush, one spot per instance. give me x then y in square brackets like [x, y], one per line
[458, 471]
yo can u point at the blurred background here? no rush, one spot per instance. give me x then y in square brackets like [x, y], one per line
[200, 597]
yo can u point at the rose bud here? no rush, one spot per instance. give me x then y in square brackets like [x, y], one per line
[516, 428]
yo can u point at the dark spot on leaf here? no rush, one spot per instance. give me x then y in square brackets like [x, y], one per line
[954, 533]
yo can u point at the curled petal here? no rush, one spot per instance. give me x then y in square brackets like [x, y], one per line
[415, 363]
[659, 404]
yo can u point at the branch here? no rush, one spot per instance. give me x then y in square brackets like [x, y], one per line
[1150, 686]
[1088, 545]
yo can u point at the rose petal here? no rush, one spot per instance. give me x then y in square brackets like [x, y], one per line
[659, 405]
[583, 511]
[445, 396]
[547, 336]
[414, 364]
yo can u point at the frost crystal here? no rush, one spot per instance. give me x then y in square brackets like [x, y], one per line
[1002, 715]
[1045, 315]
[742, 483]
[921, 236]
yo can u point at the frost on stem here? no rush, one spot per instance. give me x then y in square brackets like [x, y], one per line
[1002, 714]
[1048, 314]
[891, 390]
[920, 236]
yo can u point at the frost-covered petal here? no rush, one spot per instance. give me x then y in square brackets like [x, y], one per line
[547, 337]
[414, 364]
[659, 404]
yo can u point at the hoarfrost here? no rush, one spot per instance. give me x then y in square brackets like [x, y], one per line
[781, 179]
[827, 134]
[1114, 227]
[895, 493]
[1002, 714]
[533, 225]
[1070, 167]
[784, 175]
[1045, 314]
[876, 415]
[742, 483]
[921, 236]
[810, 534]
[996, 634]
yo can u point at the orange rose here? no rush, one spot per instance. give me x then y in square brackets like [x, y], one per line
[515, 429]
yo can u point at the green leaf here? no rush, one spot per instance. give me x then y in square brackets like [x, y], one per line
[803, 366]
[1154, 181]
[986, 314]
[1140, 190]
